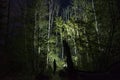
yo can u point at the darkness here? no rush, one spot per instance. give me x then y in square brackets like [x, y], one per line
[65, 3]
[21, 37]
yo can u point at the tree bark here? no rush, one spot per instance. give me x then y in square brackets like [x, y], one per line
[68, 56]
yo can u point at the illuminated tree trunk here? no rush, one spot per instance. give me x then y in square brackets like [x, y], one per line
[96, 23]
[62, 48]
[75, 48]
[36, 42]
[49, 26]
[56, 12]
[50, 23]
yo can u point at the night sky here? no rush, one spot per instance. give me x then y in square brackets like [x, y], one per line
[65, 3]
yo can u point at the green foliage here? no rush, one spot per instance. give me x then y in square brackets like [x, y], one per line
[52, 40]
[75, 60]
[83, 25]
[66, 30]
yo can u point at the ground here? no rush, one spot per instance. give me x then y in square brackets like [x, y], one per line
[64, 75]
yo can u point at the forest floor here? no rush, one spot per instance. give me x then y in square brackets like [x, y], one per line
[86, 76]
[78, 75]
[64, 75]
[16, 76]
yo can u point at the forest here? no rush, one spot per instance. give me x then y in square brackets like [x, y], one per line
[59, 40]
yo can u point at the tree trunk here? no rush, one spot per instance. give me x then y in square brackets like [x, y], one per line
[68, 56]
[96, 23]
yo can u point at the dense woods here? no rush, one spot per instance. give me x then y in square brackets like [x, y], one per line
[67, 36]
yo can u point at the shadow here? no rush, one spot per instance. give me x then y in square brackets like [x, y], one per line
[42, 77]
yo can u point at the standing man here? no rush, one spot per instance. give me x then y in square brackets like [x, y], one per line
[54, 66]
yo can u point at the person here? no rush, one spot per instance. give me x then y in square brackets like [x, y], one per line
[54, 66]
